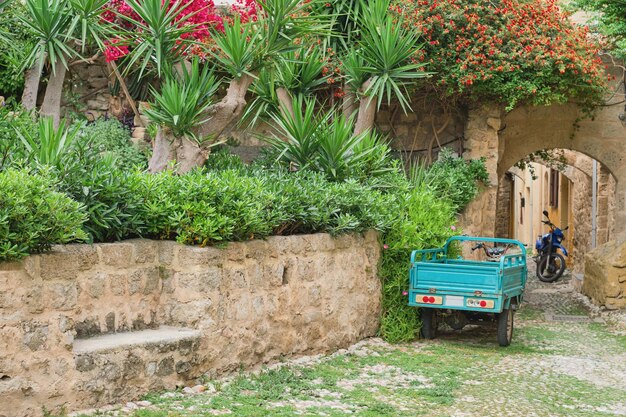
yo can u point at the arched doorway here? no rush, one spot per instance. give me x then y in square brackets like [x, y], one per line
[505, 138]
[577, 192]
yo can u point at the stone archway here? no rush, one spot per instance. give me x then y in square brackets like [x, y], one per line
[524, 194]
[526, 130]
[505, 138]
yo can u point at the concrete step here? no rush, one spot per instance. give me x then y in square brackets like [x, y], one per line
[119, 367]
[163, 335]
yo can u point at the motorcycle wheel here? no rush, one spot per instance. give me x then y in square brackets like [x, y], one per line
[551, 267]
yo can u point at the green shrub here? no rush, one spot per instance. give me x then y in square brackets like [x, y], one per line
[204, 207]
[454, 178]
[425, 220]
[14, 53]
[11, 147]
[109, 136]
[112, 207]
[33, 216]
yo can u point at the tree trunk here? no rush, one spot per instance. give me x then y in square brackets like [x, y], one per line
[349, 102]
[31, 87]
[367, 112]
[189, 155]
[223, 116]
[54, 93]
[285, 101]
[162, 152]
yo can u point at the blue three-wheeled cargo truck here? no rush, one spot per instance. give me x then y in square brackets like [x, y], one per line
[460, 291]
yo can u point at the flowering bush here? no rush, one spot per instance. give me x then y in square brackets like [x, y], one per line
[198, 17]
[512, 51]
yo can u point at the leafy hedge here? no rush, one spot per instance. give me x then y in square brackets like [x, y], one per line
[33, 216]
[205, 207]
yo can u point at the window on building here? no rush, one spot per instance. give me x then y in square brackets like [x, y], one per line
[554, 188]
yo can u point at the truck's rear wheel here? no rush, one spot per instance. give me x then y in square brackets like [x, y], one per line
[505, 327]
[429, 323]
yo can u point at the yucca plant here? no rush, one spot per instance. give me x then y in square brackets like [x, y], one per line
[300, 71]
[87, 21]
[324, 142]
[237, 48]
[49, 145]
[49, 20]
[297, 142]
[283, 21]
[159, 32]
[265, 101]
[385, 50]
[181, 103]
[4, 36]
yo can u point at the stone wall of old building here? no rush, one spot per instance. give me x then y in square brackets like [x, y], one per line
[88, 325]
[579, 238]
[605, 275]
[481, 140]
[503, 209]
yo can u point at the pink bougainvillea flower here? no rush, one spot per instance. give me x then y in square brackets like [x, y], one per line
[113, 52]
[385, 246]
[405, 293]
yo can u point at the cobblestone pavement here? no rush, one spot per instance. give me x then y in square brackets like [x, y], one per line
[567, 359]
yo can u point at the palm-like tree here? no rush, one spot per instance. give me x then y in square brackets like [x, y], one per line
[54, 23]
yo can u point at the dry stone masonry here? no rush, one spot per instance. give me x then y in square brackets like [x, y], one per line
[88, 325]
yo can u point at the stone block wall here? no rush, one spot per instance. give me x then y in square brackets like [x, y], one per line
[503, 207]
[605, 275]
[249, 302]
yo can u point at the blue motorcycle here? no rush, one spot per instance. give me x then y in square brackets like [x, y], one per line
[550, 263]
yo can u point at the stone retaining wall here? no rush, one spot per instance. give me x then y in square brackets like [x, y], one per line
[249, 303]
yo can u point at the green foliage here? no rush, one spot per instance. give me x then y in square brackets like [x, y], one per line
[49, 146]
[13, 52]
[49, 20]
[161, 49]
[112, 208]
[181, 103]
[455, 179]
[424, 220]
[11, 147]
[87, 21]
[33, 216]
[112, 137]
[324, 142]
[609, 19]
[203, 208]
[386, 48]
[237, 49]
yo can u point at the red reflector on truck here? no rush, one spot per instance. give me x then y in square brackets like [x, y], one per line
[428, 299]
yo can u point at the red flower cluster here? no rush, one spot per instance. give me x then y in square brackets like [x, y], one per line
[200, 15]
[508, 50]
[113, 52]
[247, 10]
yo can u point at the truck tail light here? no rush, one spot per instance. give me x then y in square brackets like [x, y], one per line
[428, 299]
[473, 302]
